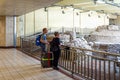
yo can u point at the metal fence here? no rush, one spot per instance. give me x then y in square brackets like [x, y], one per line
[28, 44]
[79, 62]
[82, 62]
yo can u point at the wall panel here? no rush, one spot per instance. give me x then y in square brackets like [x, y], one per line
[2, 31]
[29, 25]
[40, 19]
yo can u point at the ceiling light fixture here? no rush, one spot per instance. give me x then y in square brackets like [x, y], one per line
[63, 12]
[89, 15]
[99, 16]
[77, 13]
[45, 9]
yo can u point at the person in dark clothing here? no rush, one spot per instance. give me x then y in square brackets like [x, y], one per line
[56, 50]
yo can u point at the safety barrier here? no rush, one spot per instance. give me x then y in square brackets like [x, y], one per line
[79, 62]
[28, 44]
[82, 62]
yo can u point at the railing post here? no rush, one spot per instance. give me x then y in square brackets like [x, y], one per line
[109, 70]
[21, 42]
[88, 66]
[72, 63]
[104, 65]
[114, 68]
[119, 72]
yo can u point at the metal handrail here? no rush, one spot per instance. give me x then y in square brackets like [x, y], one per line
[101, 52]
[90, 66]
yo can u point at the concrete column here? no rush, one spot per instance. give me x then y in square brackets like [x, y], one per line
[14, 31]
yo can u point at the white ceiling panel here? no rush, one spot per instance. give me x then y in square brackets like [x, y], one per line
[90, 5]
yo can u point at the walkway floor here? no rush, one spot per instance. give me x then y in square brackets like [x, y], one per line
[14, 65]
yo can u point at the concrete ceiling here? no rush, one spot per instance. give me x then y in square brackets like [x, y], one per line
[19, 7]
[112, 8]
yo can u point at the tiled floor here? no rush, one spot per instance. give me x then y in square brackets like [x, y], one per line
[14, 65]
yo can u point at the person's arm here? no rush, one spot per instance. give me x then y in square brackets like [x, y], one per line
[42, 40]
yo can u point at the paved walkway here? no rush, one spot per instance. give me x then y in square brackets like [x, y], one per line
[14, 65]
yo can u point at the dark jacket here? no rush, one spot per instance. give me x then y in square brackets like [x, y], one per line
[55, 44]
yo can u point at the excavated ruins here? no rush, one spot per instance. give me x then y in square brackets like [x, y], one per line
[106, 38]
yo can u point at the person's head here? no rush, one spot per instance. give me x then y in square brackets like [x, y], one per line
[56, 34]
[45, 30]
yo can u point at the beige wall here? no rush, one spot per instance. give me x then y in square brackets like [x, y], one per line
[20, 28]
[93, 19]
[2, 31]
[40, 19]
[6, 31]
[55, 19]
[58, 19]
[29, 29]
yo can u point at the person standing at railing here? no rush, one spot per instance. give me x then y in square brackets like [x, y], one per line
[43, 40]
[55, 48]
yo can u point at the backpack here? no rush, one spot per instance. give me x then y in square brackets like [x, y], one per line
[37, 41]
